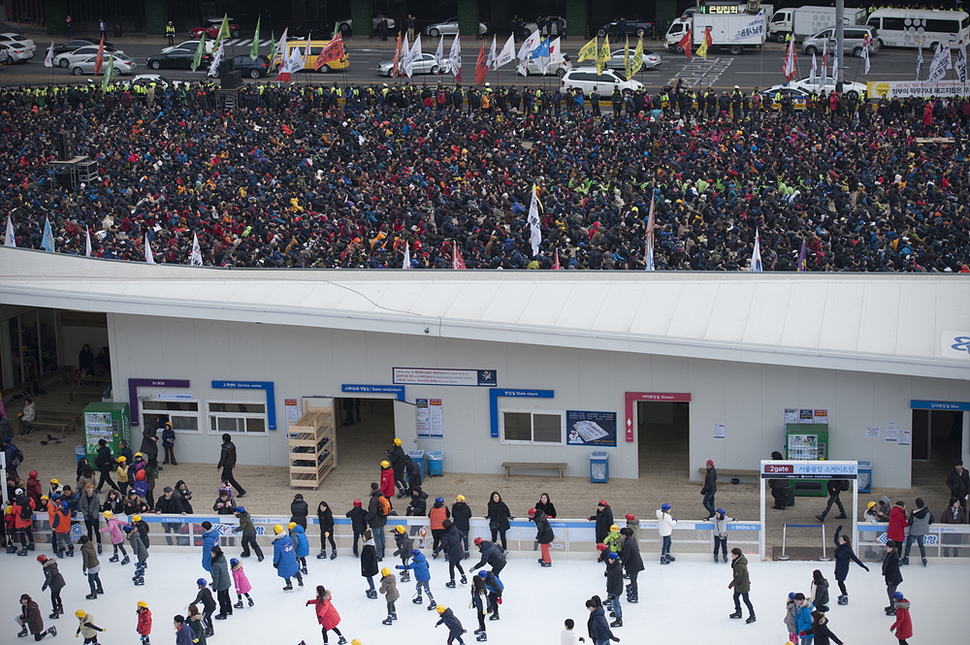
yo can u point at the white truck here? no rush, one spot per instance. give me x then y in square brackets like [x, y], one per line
[808, 21]
[731, 32]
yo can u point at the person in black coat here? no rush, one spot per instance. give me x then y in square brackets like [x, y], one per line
[498, 518]
[204, 598]
[105, 462]
[396, 456]
[820, 627]
[325, 518]
[451, 544]
[843, 555]
[603, 519]
[544, 535]
[632, 562]
[419, 503]
[449, 620]
[890, 571]
[227, 461]
[834, 488]
[299, 510]
[358, 522]
[491, 554]
[368, 563]
[958, 481]
[597, 625]
[546, 506]
[413, 470]
[614, 586]
[461, 516]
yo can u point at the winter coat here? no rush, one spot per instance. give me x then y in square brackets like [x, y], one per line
[358, 519]
[88, 629]
[720, 525]
[171, 506]
[613, 541]
[60, 520]
[413, 470]
[948, 517]
[327, 615]
[919, 522]
[451, 544]
[387, 483]
[890, 569]
[198, 628]
[89, 556]
[114, 528]
[325, 520]
[20, 503]
[52, 577]
[220, 573]
[168, 438]
[284, 557]
[820, 595]
[461, 515]
[904, 623]
[824, 635]
[209, 540]
[710, 480]
[741, 583]
[958, 483]
[549, 509]
[389, 588]
[604, 520]
[897, 524]
[665, 523]
[34, 490]
[803, 620]
[185, 635]
[396, 459]
[614, 577]
[204, 598]
[419, 505]
[246, 526]
[451, 622]
[32, 618]
[103, 461]
[491, 553]
[89, 507]
[438, 514]
[222, 506]
[843, 555]
[375, 516]
[144, 626]
[302, 543]
[239, 579]
[791, 616]
[368, 559]
[227, 457]
[498, 516]
[142, 528]
[137, 546]
[404, 544]
[299, 512]
[419, 564]
[883, 509]
[599, 627]
[630, 555]
[544, 532]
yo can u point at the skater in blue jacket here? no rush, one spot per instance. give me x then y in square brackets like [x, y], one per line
[284, 558]
[209, 539]
[298, 535]
[422, 575]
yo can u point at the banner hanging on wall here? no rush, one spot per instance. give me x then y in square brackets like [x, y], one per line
[429, 417]
[586, 428]
[444, 376]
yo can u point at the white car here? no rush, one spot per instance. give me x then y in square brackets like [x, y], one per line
[650, 60]
[69, 58]
[425, 65]
[15, 53]
[191, 45]
[347, 24]
[532, 69]
[122, 65]
[9, 37]
[585, 79]
[449, 28]
[805, 87]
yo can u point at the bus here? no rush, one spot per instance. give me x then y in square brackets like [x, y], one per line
[904, 27]
[315, 47]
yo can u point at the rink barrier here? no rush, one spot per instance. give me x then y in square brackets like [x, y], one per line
[572, 536]
[953, 538]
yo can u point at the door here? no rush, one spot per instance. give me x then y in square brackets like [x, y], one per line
[922, 425]
[405, 426]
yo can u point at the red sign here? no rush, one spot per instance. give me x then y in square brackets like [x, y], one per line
[779, 469]
[633, 397]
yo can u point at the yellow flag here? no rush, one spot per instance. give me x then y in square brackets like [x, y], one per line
[604, 56]
[637, 60]
[702, 50]
[626, 59]
[588, 51]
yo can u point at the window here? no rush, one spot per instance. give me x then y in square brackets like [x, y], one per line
[533, 427]
[893, 24]
[184, 415]
[942, 26]
[243, 418]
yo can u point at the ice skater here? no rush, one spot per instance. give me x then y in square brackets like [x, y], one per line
[327, 614]
[544, 535]
[791, 618]
[480, 604]
[391, 594]
[404, 545]
[437, 516]
[91, 566]
[284, 558]
[903, 626]
[248, 530]
[597, 625]
[820, 591]
[87, 628]
[665, 525]
[450, 620]
[325, 519]
[197, 623]
[140, 551]
[741, 585]
[144, 625]
[454, 552]
[614, 587]
[632, 563]
[30, 619]
[919, 525]
[720, 533]
[491, 554]
[113, 526]
[803, 619]
[241, 582]
[204, 598]
[843, 555]
[422, 576]
[298, 535]
[368, 563]
[820, 629]
[54, 581]
[495, 588]
[891, 573]
[221, 582]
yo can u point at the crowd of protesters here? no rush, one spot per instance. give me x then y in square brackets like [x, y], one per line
[315, 176]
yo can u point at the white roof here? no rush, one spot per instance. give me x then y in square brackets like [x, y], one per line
[886, 323]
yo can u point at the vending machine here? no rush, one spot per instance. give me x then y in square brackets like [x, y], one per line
[807, 442]
[108, 421]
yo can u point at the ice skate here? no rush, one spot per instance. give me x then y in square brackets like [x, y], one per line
[288, 587]
[715, 559]
[417, 600]
[125, 560]
[545, 564]
[333, 554]
[750, 619]
[393, 615]
[617, 623]
[924, 562]
[844, 600]
[238, 605]
[304, 571]
[251, 602]
[92, 596]
[139, 582]
[30, 547]
[432, 605]
[114, 558]
[612, 614]
[671, 558]
[99, 549]
[23, 632]
[405, 576]
[478, 631]
[70, 551]
[322, 555]
[342, 640]
[387, 621]
[482, 637]
[22, 552]
[904, 560]
[736, 614]
[494, 616]
[372, 594]
[664, 560]
[632, 600]
[11, 548]
[52, 631]
[53, 616]
[450, 584]
[221, 616]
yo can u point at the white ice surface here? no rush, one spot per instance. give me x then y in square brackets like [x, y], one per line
[684, 602]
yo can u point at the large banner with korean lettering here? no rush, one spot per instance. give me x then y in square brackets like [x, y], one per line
[754, 29]
[809, 469]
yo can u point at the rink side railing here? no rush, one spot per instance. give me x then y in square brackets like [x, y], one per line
[572, 536]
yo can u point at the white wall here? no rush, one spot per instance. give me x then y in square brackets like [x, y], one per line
[302, 361]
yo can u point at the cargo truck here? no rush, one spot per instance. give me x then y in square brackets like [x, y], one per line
[729, 32]
[808, 21]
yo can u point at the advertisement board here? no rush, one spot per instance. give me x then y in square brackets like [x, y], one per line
[586, 428]
[905, 89]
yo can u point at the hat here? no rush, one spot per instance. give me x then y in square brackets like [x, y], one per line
[710, 462]
[291, 525]
[201, 582]
[898, 595]
[240, 509]
[32, 474]
[439, 500]
[630, 517]
[602, 502]
[55, 482]
[721, 511]
[207, 525]
[478, 541]
[532, 512]
[19, 492]
[441, 609]
[397, 442]
[415, 553]
[127, 528]
[42, 558]
[385, 464]
[80, 613]
[357, 502]
[142, 603]
[64, 506]
[791, 595]
[613, 555]
[601, 547]
[870, 504]
[665, 507]
[460, 498]
[737, 87]
[122, 459]
[168, 489]
[385, 572]
[483, 574]
[233, 562]
[278, 529]
[108, 515]
[136, 518]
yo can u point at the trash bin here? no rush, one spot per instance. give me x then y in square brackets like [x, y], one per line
[79, 452]
[599, 467]
[865, 476]
[117, 31]
[418, 457]
[436, 463]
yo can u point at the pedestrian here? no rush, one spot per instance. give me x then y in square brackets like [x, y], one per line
[87, 628]
[447, 618]
[480, 604]
[368, 563]
[59, 514]
[835, 488]
[227, 461]
[491, 554]
[903, 626]
[741, 585]
[953, 514]
[31, 619]
[204, 598]
[451, 544]
[396, 457]
[144, 624]
[91, 566]
[168, 434]
[102, 27]
[197, 625]
[614, 587]
[709, 488]
[298, 535]
[23, 519]
[34, 489]
[378, 509]
[958, 481]
[920, 520]
[603, 519]
[248, 529]
[632, 563]
[720, 533]
[597, 625]
[284, 558]
[325, 520]
[113, 528]
[170, 33]
[461, 517]
[149, 444]
[544, 535]
[241, 582]
[387, 480]
[69, 34]
[665, 524]
[90, 509]
[358, 522]
[114, 502]
[410, 28]
[820, 629]
[437, 515]
[139, 550]
[791, 618]
[389, 591]
[897, 525]
[413, 471]
[843, 555]
[221, 582]
[54, 581]
[327, 614]
[891, 573]
[820, 591]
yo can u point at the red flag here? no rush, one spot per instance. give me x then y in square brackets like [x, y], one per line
[686, 45]
[456, 261]
[99, 59]
[481, 66]
[333, 51]
[397, 56]
[555, 266]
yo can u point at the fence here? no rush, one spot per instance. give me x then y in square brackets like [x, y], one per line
[942, 541]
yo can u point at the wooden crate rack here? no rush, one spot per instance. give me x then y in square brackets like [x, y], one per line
[311, 437]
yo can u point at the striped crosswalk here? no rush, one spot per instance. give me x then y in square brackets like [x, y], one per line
[247, 42]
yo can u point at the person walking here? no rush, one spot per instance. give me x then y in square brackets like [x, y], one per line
[327, 615]
[544, 535]
[144, 624]
[709, 489]
[227, 461]
[603, 519]
[54, 581]
[843, 556]
[498, 518]
[90, 507]
[396, 457]
[614, 587]
[741, 585]
[891, 573]
[903, 626]
[919, 525]
[298, 535]
[597, 625]
[835, 488]
[69, 33]
[665, 525]
[102, 27]
[958, 481]
[377, 511]
[105, 463]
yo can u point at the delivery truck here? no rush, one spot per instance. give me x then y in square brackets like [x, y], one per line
[734, 33]
[808, 21]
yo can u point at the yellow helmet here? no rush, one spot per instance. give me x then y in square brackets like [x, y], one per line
[291, 525]
[278, 529]
[108, 515]
[385, 464]
[397, 442]
[614, 528]
[80, 613]
[45, 497]
[460, 498]
[138, 454]
[356, 641]
[385, 572]
[440, 609]
[399, 528]
[55, 482]
[136, 518]
[122, 459]
[143, 604]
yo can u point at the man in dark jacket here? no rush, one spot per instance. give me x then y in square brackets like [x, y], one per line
[105, 463]
[170, 505]
[614, 586]
[413, 470]
[632, 562]
[710, 487]
[227, 461]
[958, 481]
[544, 535]
[358, 522]
[491, 554]
[248, 530]
[376, 519]
[603, 519]
[461, 515]
[890, 571]
[396, 456]
[835, 488]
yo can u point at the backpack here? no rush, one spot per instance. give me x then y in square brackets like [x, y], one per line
[18, 458]
[844, 485]
[385, 505]
[26, 512]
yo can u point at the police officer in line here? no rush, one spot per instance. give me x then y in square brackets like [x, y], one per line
[170, 33]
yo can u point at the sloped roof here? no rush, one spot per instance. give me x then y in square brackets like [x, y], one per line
[886, 323]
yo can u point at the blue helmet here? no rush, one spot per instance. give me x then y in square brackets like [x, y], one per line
[64, 506]
[127, 528]
[721, 511]
[665, 507]
[898, 595]
[233, 562]
[240, 509]
[201, 582]
[483, 574]
[415, 553]
[613, 555]
[439, 500]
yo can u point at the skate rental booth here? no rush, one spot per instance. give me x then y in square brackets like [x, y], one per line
[535, 369]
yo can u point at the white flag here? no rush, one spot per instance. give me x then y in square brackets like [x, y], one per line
[439, 56]
[650, 224]
[454, 57]
[756, 255]
[534, 224]
[195, 259]
[405, 55]
[961, 62]
[49, 59]
[811, 75]
[791, 60]
[938, 65]
[753, 29]
[507, 55]
[87, 242]
[407, 254]
[530, 43]
[835, 63]
[865, 51]
[490, 62]
[10, 238]
[149, 256]
[825, 62]
[555, 53]
[281, 49]
[413, 57]
[919, 58]
[216, 59]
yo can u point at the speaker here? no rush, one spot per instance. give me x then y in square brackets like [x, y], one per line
[65, 179]
[232, 80]
[65, 146]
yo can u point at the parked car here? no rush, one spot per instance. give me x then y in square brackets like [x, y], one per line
[175, 59]
[4, 55]
[616, 61]
[122, 65]
[450, 28]
[585, 79]
[639, 27]
[551, 27]
[67, 59]
[853, 38]
[426, 65]
[192, 45]
[77, 43]
[802, 88]
[15, 53]
[10, 37]
[251, 67]
[212, 26]
[532, 69]
[347, 25]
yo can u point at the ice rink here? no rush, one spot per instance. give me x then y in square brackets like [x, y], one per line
[685, 602]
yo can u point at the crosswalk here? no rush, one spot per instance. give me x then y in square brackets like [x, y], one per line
[247, 42]
[704, 73]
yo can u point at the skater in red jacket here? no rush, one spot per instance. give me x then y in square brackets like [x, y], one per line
[904, 624]
[144, 626]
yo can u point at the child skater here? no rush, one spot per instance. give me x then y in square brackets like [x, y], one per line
[54, 580]
[144, 626]
[843, 556]
[665, 524]
[86, 627]
[720, 534]
[903, 627]
[114, 528]
[422, 575]
[140, 552]
[302, 544]
[450, 620]
[327, 615]
[404, 547]
[325, 517]
[368, 563]
[480, 603]
[197, 624]
[791, 618]
[241, 582]
[390, 593]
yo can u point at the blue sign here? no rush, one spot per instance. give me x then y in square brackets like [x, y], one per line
[378, 389]
[254, 385]
[493, 395]
[938, 405]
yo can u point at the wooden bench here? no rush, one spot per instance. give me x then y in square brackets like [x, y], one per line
[509, 465]
[90, 395]
[55, 376]
[62, 422]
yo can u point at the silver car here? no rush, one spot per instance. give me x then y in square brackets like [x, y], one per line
[853, 39]
[67, 59]
[11, 38]
[191, 45]
[449, 28]
[532, 69]
[122, 65]
[425, 65]
[650, 60]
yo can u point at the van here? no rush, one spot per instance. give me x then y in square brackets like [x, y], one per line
[914, 27]
[585, 79]
[853, 40]
[316, 46]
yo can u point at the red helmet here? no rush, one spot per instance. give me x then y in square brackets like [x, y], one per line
[357, 502]
[532, 512]
[601, 547]
[140, 475]
[32, 474]
[42, 558]
[478, 541]
[630, 517]
[602, 502]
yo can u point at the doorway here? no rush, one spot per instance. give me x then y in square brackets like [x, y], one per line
[365, 431]
[937, 435]
[663, 432]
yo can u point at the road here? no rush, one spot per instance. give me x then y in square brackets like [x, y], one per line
[720, 71]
